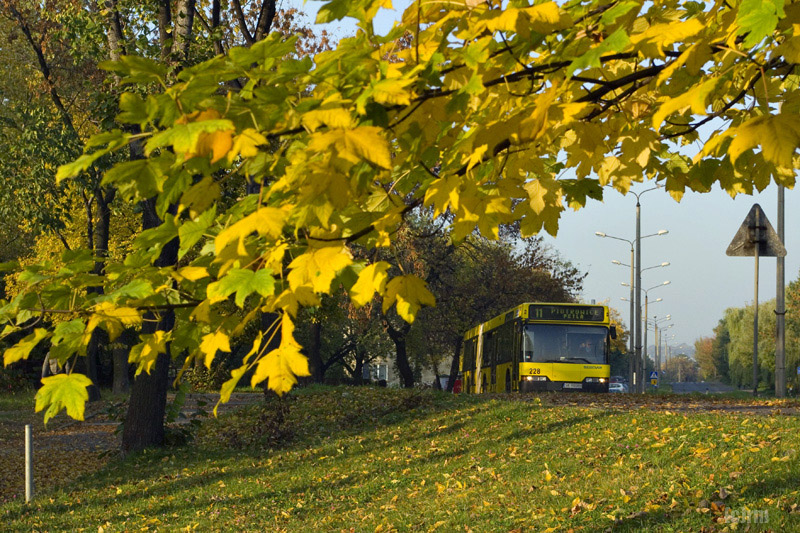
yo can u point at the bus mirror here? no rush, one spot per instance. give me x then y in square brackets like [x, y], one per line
[613, 332]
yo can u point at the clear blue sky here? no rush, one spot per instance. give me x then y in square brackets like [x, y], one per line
[704, 281]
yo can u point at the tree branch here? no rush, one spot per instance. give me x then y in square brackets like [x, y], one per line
[265, 17]
[66, 118]
[237, 10]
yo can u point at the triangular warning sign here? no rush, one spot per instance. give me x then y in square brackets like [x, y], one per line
[756, 230]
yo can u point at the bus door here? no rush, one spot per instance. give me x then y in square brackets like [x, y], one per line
[491, 352]
[515, 357]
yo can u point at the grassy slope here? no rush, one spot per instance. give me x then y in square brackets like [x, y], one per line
[374, 459]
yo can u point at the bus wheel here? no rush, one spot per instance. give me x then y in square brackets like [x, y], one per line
[508, 381]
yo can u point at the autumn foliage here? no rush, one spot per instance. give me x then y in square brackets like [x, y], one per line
[477, 120]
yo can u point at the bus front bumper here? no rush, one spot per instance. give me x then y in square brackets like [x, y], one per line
[567, 386]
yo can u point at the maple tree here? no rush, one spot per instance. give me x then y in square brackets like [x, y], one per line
[478, 119]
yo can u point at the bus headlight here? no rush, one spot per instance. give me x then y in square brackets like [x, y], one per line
[535, 378]
[595, 380]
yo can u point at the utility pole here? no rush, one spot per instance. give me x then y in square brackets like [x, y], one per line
[780, 308]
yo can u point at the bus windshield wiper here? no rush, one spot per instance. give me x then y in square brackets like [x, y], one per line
[579, 359]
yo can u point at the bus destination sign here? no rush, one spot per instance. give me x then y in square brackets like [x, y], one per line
[568, 313]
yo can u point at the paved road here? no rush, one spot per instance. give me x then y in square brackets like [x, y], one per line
[702, 387]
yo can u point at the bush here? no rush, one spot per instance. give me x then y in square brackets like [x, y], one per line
[14, 379]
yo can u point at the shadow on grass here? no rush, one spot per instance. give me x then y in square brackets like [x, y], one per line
[185, 480]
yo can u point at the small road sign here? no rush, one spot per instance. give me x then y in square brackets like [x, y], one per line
[653, 375]
[654, 382]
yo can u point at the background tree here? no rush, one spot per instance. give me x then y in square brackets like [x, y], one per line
[704, 355]
[681, 368]
[619, 358]
[719, 350]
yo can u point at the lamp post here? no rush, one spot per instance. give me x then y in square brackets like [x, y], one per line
[638, 291]
[667, 351]
[643, 362]
[640, 369]
[636, 316]
[656, 322]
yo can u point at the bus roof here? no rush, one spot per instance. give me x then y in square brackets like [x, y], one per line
[547, 312]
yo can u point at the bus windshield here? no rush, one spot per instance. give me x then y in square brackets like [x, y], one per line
[553, 343]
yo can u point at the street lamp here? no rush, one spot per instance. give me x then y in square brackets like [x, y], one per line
[636, 317]
[643, 362]
[667, 350]
[655, 322]
[638, 291]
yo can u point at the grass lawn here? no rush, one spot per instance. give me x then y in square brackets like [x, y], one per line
[370, 459]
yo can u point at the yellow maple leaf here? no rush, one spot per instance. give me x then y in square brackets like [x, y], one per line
[337, 117]
[213, 342]
[246, 144]
[656, 38]
[267, 221]
[282, 366]
[63, 391]
[192, 273]
[371, 279]
[145, 354]
[317, 267]
[410, 293]
[216, 143]
[694, 99]
[778, 135]
[362, 143]
[113, 319]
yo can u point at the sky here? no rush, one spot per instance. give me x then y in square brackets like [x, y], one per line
[703, 280]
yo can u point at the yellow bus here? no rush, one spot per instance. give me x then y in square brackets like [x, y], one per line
[539, 347]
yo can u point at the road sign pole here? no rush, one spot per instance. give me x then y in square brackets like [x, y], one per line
[756, 238]
[767, 244]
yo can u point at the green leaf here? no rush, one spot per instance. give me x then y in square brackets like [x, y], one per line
[155, 238]
[143, 174]
[137, 289]
[63, 391]
[68, 339]
[615, 42]
[192, 231]
[758, 19]
[10, 266]
[136, 69]
[243, 282]
[133, 109]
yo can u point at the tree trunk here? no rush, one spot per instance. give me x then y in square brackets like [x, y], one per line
[119, 354]
[267, 319]
[454, 365]
[398, 337]
[403, 366]
[144, 422]
[314, 356]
